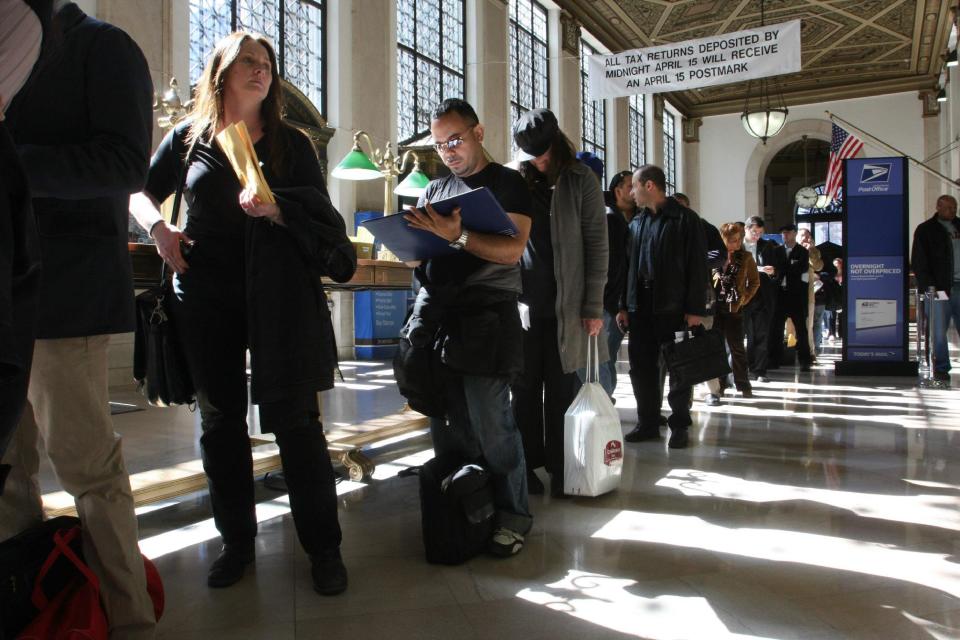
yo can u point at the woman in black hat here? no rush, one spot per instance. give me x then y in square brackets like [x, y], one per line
[564, 270]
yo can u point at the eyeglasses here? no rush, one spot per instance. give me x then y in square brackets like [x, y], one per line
[452, 142]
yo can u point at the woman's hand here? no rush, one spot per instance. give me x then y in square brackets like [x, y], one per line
[255, 208]
[592, 326]
[168, 239]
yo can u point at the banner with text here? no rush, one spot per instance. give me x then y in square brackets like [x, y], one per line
[722, 59]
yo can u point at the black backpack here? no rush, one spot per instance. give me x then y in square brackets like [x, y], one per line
[456, 510]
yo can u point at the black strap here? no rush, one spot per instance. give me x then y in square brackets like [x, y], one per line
[181, 183]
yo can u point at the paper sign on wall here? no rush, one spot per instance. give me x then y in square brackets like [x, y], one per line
[721, 59]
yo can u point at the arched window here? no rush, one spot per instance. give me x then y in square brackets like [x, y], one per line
[431, 39]
[295, 27]
[637, 132]
[670, 150]
[529, 62]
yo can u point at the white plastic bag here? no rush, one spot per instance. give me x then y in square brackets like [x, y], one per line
[592, 438]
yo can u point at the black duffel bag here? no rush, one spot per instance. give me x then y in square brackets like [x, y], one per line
[159, 361]
[456, 509]
[700, 356]
[21, 558]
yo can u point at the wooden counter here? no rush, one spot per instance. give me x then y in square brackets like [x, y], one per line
[371, 274]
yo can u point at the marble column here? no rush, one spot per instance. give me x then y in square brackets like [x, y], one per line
[565, 75]
[488, 77]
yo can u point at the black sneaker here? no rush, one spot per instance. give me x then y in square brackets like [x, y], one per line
[643, 434]
[505, 543]
[230, 565]
[534, 484]
[679, 438]
[941, 376]
[328, 572]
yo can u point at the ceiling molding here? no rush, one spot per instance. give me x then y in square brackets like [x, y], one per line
[855, 48]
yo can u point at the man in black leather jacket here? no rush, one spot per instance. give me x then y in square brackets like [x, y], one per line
[665, 293]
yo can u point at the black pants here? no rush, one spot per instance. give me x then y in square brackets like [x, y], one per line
[212, 329]
[13, 399]
[647, 333]
[796, 310]
[732, 326]
[541, 397]
[757, 320]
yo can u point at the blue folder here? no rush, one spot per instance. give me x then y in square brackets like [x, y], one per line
[479, 211]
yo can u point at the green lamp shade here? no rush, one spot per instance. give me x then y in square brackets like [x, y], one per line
[413, 185]
[356, 166]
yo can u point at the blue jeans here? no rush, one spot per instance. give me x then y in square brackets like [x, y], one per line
[480, 428]
[608, 369]
[945, 310]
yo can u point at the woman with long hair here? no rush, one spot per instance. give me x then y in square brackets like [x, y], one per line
[735, 284]
[564, 269]
[251, 279]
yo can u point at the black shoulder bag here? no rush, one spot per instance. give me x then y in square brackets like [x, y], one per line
[159, 362]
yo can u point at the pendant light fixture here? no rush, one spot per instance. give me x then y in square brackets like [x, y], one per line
[761, 117]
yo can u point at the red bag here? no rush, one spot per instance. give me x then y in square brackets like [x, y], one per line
[75, 613]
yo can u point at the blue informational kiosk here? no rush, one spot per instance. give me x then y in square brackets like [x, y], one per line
[875, 267]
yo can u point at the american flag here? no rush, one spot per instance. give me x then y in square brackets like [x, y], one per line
[842, 145]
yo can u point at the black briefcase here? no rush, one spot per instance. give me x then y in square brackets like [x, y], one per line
[700, 356]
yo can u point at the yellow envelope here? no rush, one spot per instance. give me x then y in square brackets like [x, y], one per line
[238, 147]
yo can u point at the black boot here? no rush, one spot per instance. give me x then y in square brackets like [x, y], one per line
[229, 566]
[679, 438]
[328, 572]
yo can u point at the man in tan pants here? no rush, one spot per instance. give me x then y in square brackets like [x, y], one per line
[82, 127]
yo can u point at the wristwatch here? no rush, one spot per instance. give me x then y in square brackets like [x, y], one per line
[461, 242]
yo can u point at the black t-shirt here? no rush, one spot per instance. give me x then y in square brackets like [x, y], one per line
[464, 268]
[539, 279]
[216, 222]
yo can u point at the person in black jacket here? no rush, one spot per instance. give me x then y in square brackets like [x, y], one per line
[619, 215]
[252, 280]
[82, 126]
[793, 300]
[21, 37]
[758, 315]
[665, 293]
[936, 263]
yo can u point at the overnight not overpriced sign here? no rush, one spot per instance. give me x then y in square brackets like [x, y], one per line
[721, 59]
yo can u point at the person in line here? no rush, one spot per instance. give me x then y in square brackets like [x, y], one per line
[735, 284]
[620, 212]
[936, 263]
[564, 269]
[251, 280]
[814, 311]
[758, 315]
[667, 269]
[477, 290]
[21, 38]
[716, 256]
[793, 298]
[82, 126]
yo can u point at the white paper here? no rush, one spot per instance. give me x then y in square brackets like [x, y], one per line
[875, 313]
[524, 315]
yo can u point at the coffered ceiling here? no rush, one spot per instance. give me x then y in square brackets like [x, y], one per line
[850, 48]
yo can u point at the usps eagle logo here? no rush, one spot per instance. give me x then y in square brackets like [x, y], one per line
[875, 173]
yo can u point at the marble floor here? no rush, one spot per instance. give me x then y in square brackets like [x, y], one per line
[823, 507]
